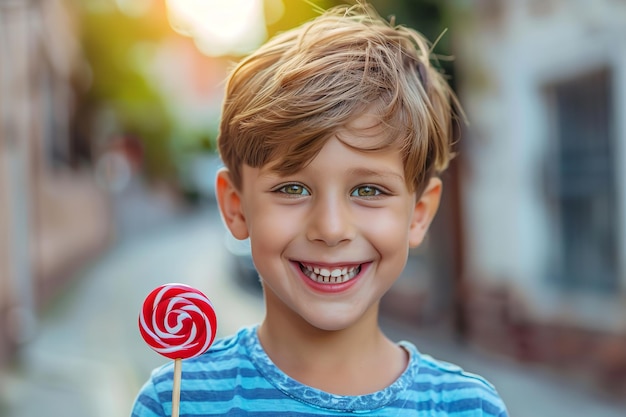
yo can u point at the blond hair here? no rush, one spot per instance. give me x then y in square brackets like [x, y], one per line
[286, 99]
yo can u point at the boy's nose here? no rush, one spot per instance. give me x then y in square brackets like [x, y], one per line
[330, 222]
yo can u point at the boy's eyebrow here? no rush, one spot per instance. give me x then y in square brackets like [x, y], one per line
[366, 172]
[355, 172]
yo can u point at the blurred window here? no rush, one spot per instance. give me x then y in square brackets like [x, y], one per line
[584, 183]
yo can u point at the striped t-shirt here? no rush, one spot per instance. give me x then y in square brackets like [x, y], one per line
[237, 378]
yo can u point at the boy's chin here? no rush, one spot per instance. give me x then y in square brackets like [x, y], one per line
[328, 326]
[334, 323]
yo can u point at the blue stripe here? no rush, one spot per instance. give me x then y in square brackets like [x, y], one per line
[146, 403]
[238, 412]
[212, 374]
[249, 394]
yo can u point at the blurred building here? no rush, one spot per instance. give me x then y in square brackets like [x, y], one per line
[52, 216]
[544, 182]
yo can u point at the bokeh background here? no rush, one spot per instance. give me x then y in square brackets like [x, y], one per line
[108, 118]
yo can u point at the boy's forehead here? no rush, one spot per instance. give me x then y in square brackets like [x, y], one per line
[361, 142]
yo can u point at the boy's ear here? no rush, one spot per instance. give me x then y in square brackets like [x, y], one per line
[229, 201]
[424, 212]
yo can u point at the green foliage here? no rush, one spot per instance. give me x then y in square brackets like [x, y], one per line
[295, 13]
[114, 45]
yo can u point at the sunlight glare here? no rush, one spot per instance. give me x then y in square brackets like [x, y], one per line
[220, 27]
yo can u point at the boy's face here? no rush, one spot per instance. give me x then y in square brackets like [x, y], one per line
[329, 240]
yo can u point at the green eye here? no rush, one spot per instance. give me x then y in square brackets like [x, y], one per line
[294, 189]
[365, 191]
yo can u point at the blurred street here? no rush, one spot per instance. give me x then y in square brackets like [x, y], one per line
[89, 360]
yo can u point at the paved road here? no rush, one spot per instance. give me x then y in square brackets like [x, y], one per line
[89, 360]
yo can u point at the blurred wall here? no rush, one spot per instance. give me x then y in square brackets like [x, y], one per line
[52, 215]
[544, 86]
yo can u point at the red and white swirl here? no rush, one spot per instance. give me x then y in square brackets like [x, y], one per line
[178, 321]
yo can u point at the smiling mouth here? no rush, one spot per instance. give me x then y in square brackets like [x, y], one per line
[323, 275]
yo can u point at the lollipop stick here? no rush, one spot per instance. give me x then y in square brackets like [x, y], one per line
[176, 388]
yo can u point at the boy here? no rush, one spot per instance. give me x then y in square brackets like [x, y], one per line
[332, 136]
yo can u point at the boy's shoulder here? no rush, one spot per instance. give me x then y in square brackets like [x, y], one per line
[443, 371]
[452, 388]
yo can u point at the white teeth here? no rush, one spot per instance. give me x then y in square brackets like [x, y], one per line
[336, 276]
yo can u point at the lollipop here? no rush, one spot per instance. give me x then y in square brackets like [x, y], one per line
[179, 322]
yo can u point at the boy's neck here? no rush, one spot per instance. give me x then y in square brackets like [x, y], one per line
[353, 361]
